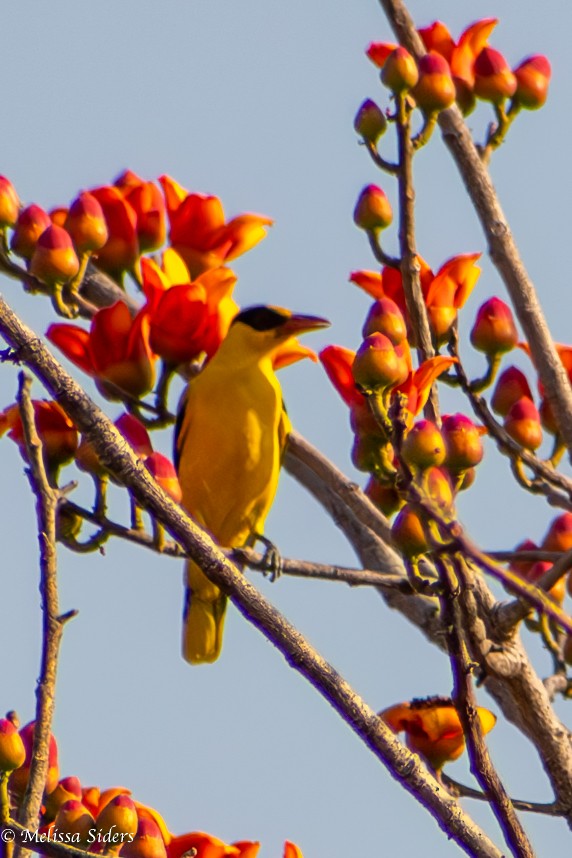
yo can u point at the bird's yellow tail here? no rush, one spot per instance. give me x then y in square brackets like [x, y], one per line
[203, 619]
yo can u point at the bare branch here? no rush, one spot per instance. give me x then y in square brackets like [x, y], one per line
[53, 623]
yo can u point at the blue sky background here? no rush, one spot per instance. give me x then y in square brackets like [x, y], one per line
[254, 101]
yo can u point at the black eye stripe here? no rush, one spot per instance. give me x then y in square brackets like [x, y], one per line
[261, 318]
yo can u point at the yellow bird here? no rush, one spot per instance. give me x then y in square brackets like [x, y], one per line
[231, 433]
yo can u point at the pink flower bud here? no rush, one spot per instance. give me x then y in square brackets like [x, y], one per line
[511, 386]
[370, 122]
[379, 364]
[373, 210]
[532, 79]
[435, 89]
[399, 72]
[463, 444]
[494, 331]
[523, 424]
[494, 80]
[385, 317]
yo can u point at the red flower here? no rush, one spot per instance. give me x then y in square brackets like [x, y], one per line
[432, 727]
[57, 433]
[116, 351]
[187, 318]
[149, 206]
[444, 292]
[199, 232]
[120, 252]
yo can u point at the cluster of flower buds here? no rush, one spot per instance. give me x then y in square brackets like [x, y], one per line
[432, 728]
[107, 821]
[461, 71]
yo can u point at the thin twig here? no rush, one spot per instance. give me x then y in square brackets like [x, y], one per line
[53, 623]
[253, 559]
[454, 577]
[464, 791]
[410, 269]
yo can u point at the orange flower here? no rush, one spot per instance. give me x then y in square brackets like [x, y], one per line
[444, 292]
[338, 362]
[120, 252]
[199, 232]
[115, 352]
[57, 433]
[291, 850]
[417, 386]
[187, 318]
[148, 204]
[432, 728]
[461, 56]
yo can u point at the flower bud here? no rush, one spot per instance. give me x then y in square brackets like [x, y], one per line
[121, 813]
[494, 80]
[465, 479]
[58, 215]
[436, 483]
[532, 80]
[423, 445]
[463, 444]
[54, 260]
[522, 567]
[399, 72]
[9, 203]
[148, 842]
[74, 819]
[67, 788]
[32, 222]
[408, 533]
[372, 211]
[385, 497]
[19, 777]
[12, 750]
[370, 122]
[435, 89]
[523, 424]
[494, 331]
[537, 570]
[511, 386]
[385, 317]
[559, 535]
[86, 224]
[379, 364]
[165, 475]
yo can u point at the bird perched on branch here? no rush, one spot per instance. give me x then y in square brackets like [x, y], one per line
[231, 433]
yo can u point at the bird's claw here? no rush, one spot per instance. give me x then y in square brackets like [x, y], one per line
[272, 559]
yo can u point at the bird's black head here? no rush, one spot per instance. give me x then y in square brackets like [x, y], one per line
[262, 318]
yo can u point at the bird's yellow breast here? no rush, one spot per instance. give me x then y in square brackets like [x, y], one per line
[230, 451]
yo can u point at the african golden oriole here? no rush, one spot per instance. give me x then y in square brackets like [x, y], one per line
[231, 433]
